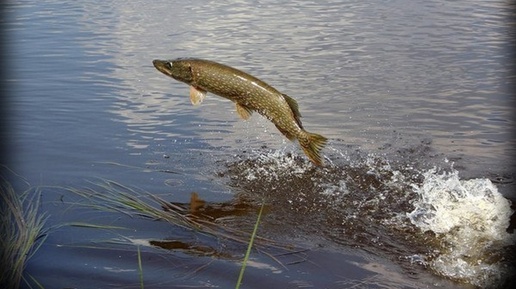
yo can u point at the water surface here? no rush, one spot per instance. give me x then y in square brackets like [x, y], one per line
[399, 88]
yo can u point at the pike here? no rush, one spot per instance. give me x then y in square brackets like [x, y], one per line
[248, 93]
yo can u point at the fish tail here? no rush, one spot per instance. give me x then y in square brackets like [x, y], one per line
[312, 144]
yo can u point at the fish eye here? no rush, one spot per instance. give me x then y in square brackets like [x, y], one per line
[169, 65]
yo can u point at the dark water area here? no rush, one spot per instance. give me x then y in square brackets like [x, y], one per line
[416, 99]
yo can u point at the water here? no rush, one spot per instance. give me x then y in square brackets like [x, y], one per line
[415, 97]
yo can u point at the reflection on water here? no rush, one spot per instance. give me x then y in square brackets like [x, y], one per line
[398, 87]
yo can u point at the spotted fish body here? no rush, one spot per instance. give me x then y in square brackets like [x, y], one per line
[248, 93]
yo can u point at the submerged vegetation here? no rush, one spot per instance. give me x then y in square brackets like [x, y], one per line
[23, 225]
[114, 197]
[21, 232]
[249, 248]
[363, 205]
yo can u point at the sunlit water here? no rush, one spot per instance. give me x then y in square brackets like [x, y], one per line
[414, 96]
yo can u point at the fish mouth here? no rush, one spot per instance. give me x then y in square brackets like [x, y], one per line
[159, 64]
[162, 66]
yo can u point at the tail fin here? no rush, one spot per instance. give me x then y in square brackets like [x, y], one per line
[312, 144]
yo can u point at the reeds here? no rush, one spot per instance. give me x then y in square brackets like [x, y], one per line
[115, 197]
[249, 248]
[21, 232]
[22, 229]
[140, 268]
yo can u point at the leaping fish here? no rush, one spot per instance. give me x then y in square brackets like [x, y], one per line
[248, 93]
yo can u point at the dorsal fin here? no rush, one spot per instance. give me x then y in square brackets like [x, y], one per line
[294, 107]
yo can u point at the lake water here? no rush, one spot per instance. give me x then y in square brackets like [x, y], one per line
[416, 98]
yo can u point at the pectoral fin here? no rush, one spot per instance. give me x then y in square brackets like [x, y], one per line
[243, 112]
[197, 95]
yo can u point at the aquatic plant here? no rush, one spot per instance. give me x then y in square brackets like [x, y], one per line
[115, 197]
[249, 247]
[140, 268]
[21, 232]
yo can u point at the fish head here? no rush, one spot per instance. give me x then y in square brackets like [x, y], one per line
[178, 69]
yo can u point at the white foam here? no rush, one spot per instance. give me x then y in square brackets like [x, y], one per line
[274, 164]
[468, 217]
[335, 190]
[471, 217]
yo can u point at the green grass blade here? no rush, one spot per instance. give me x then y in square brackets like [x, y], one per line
[35, 282]
[249, 247]
[140, 268]
[22, 231]
[94, 226]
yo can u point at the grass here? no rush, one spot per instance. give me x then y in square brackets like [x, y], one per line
[244, 262]
[140, 268]
[249, 247]
[115, 197]
[21, 233]
[22, 230]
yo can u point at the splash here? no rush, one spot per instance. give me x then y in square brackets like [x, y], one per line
[470, 218]
[429, 218]
[275, 165]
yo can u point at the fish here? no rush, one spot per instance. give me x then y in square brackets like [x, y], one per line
[249, 94]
